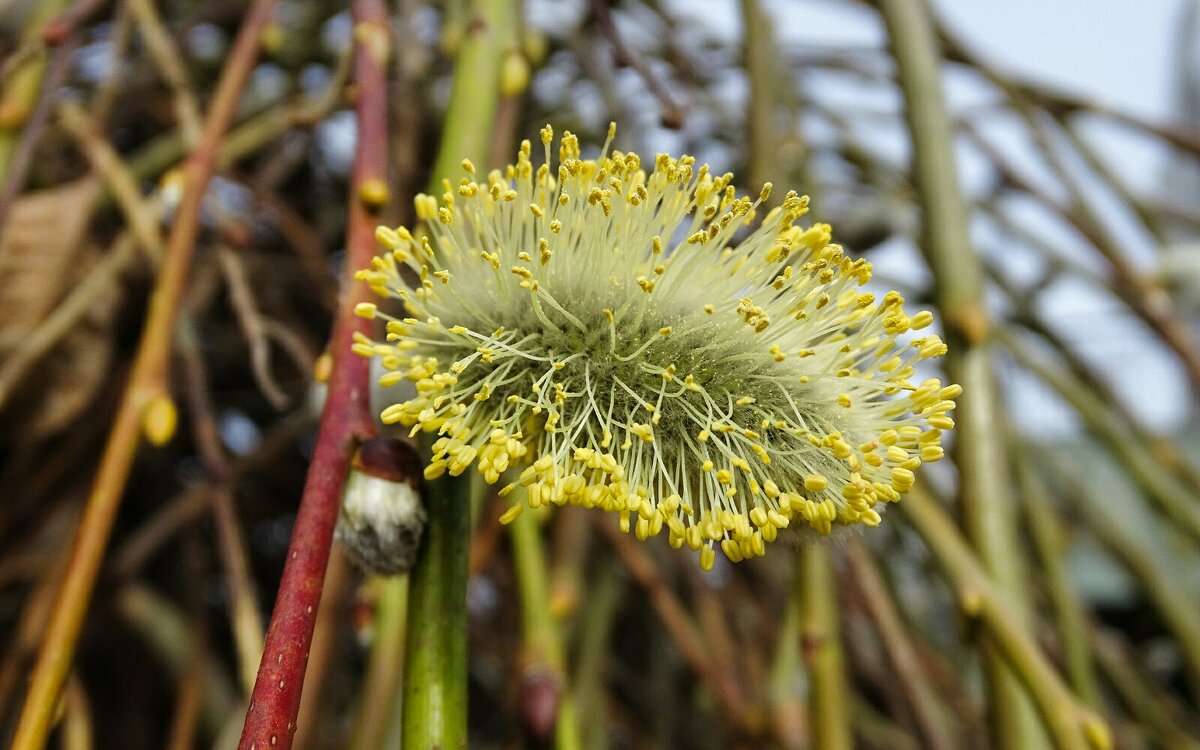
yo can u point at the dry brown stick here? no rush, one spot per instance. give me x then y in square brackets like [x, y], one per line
[672, 113]
[254, 326]
[1127, 284]
[679, 625]
[897, 644]
[245, 621]
[21, 647]
[186, 507]
[146, 382]
[189, 696]
[485, 542]
[122, 185]
[104, 95]
[166, 55]
[140, 215]
[163, 625]
[22, 157]
[302, 239]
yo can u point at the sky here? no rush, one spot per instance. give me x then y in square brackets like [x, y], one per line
[1115, 52]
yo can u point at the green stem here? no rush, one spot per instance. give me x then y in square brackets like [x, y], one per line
[475, 90]
[1158, 577]
[435, 668]
[829, 710]
[988, 509]
[382, 681]
[761, 57]
[543, 640]
[1047, 534]
[783, 694]
[596, 623]
[1174, 498]
[1070, 725]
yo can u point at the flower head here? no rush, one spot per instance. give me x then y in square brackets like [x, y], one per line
[595, 329]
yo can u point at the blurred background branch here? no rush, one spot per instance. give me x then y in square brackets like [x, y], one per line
[184, 186]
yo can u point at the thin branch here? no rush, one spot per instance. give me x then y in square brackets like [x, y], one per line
[256, 328]
[1049, 540]
[679, 625]
[17, 168]
[988, 508]
[672, 114]
[829, 693]
[146, 382]
[245, 621]
[345, 421]
[171, 64]
[1071, 726]
[1173, 497]
[910, 673]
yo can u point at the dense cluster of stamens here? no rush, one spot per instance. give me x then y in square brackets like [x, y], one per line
[592, 333]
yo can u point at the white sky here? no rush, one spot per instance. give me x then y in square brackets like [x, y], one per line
[1116, 52]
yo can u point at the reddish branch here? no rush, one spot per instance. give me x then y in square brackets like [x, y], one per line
[346, 420]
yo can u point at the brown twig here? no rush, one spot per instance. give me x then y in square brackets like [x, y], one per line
[256, 328]
[1126, 283]
[672, 113]
[146, 381]
[896, 639]
[22, 156]
[275, 703]
[188, 506]
[190, 694]
[679, 624]
[170, 62]
[245, 621]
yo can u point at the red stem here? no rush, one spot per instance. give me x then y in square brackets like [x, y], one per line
[346, 420]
